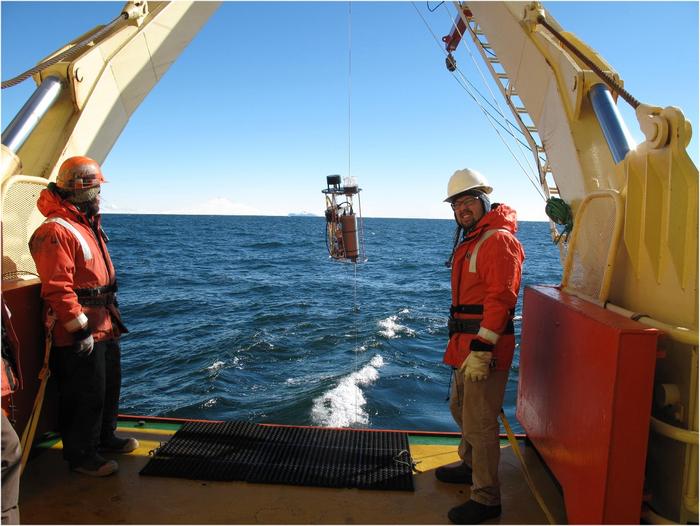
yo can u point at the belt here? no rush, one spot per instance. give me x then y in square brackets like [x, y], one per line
[96, 291]
[472, 326]
[98, 301]
[98, 296]
[472, 308]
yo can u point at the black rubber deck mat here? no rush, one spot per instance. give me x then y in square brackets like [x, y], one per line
[337, 458]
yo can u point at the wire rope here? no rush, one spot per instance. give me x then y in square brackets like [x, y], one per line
[535, 183]
[355, 308]
[612, 84]
[435, 37]
[488, 87]
[496, 106]
[69, 53]
[490, 119]
[466, 84]
[488, 115]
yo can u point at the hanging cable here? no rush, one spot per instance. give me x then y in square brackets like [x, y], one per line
[495, 106]
[355, 316]
[485, 83]
[349, 82]
[427, 5]
[513, 126]
[533, 180]
[355, 308]
[490, 118]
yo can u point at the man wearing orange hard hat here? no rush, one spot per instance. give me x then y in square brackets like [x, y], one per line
[78, 286]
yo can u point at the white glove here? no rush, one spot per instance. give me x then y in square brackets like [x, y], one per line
[84, 342]
[476, 366]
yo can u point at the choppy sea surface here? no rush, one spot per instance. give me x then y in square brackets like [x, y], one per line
[247, 318]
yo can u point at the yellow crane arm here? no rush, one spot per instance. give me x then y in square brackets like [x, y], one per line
[634, 245]
[93, 93]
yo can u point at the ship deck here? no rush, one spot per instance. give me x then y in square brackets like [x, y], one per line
[51, 494]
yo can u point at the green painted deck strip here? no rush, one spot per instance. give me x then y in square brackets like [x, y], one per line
[424, 440]
[170, 427]
[147, 424]
[427, 440]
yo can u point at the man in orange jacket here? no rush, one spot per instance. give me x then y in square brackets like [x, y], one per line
[78, 285]
[486, 266]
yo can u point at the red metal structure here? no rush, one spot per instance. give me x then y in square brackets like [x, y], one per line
[584, 399]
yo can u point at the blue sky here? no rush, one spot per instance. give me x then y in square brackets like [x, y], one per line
[255, 113]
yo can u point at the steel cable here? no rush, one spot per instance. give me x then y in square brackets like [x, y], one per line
[498, 108]
[69, 53]
[612, 84]
[490, 118]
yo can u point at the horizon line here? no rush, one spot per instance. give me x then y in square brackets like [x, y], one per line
[289, 215]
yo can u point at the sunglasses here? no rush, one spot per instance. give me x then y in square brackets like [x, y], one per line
[463, 202]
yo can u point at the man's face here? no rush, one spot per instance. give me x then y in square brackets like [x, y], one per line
[468, 210]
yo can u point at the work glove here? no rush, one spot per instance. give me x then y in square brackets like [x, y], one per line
[83, 342]
[476, 366]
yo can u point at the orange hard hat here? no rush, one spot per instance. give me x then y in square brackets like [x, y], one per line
[79, 173]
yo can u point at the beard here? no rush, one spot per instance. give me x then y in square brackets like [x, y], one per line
[90, 208]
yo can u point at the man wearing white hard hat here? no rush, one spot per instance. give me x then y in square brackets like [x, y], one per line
[486, 264]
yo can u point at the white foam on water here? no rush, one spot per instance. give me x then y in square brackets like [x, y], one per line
[216, 365]
[343, 406]
[390, 328]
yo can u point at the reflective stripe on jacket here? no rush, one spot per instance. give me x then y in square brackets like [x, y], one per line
[486, 270]
[69, 256]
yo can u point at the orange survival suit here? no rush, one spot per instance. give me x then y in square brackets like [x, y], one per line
[486, 274]
[72, 260]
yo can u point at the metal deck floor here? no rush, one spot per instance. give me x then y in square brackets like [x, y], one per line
[50, 494]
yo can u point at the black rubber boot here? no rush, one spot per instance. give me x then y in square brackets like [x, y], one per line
[461, 474]
[119, 445]
[95, 466]
[472, 512]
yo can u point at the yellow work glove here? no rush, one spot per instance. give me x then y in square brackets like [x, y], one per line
[476, 366]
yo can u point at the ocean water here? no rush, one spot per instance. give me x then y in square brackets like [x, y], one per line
[244, 317]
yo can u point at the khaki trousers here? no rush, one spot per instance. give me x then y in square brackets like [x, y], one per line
[475, 407]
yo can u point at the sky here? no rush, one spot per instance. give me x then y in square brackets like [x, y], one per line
[270, 98]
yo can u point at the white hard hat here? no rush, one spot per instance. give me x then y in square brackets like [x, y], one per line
[466, 179]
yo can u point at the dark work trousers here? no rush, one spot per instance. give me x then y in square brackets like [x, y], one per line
[11, 456]
[88, 388]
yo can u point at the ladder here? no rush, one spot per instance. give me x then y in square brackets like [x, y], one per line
[523, 119]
